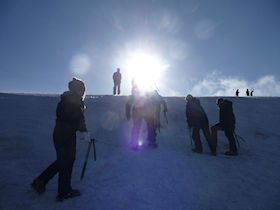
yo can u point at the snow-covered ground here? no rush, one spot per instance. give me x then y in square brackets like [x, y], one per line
[169, 177]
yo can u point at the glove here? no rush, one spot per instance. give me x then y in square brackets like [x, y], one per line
[86, 136]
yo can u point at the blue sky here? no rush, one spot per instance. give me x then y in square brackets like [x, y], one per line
[207, 47]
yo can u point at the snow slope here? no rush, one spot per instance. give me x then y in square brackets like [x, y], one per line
[169, 177]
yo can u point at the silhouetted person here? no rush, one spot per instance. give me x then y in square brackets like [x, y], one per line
[134, 110]
[69, 119]
[237, 92]
[117, 77]
[251, 93]
[159, 102]
[226, 124]
[247, 92]
[143, 107]
[198, 120]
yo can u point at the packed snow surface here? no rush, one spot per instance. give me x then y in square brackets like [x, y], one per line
[169, 177]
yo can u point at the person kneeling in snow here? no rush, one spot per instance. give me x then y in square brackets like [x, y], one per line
[197, 119]
[226, 124]
[69, 119]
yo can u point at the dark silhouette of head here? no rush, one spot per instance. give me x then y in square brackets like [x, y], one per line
[189, 97]
[219, 101]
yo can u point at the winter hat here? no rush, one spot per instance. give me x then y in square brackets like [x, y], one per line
[189, 97]
[219, 101]
[76, 85]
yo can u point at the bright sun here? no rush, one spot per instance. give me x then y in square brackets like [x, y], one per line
[146, 69]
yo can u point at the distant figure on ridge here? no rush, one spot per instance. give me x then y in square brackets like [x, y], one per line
[237, 92]
[117, 77]
[226, 124]
[247, 92]
[69, 119]
[197, 119]
[251, 92]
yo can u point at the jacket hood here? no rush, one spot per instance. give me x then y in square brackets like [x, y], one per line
[70, 97]
[226, 103]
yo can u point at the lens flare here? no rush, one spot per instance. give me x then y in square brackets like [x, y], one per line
[80, 64]
[140, 142]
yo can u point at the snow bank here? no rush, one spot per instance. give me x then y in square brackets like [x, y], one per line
[169, 177]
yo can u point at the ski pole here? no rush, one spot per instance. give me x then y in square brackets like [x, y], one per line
[240, 137]
[94, 150]
[86, 159]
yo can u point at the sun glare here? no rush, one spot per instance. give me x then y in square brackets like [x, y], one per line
[145, 69]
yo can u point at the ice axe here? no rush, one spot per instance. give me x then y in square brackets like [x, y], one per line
[92, 141]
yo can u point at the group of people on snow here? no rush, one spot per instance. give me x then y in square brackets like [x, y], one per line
[140, 108]
[248, 93]
[146, 108]
[197, 120]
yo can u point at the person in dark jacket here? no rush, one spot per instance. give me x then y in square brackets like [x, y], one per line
[226, 124]
[117, 78]
[237, 92]
[159, 103]
[142, 107]
[69, 119]
[247, 92]
[198, 120]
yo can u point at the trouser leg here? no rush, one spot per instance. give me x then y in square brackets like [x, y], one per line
[151, 131]
[114, 89]
[49, 172]
[137, 121]
[214, 131]
[65, 158]
[230, 136]
[119, 89]
[196, 138]
[208, 138]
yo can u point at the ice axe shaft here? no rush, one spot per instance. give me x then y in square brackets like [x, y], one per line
[92, 141]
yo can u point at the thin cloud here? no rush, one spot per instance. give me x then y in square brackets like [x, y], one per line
[214, 85]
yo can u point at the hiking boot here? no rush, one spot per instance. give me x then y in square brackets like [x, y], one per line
[196, 150]
[38, 186]
[73, 193]
[231, 153]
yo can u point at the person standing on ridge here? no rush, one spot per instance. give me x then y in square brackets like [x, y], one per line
[247, 92]
[226, 124]
[117, 77]
[237, 92]
[197, 119]
[251, 92]
[69, 120]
